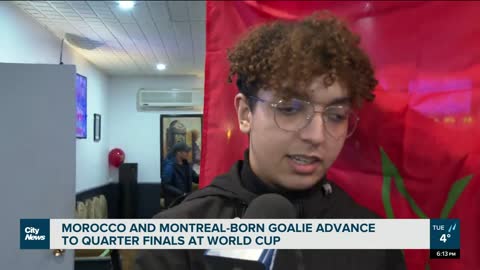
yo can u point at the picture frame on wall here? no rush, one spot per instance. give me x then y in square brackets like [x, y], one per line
[185, 128]
[97, 127]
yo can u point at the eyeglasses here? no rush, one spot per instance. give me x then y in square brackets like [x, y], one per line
[296, 114]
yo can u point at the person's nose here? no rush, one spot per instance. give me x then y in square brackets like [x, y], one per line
[314, 132]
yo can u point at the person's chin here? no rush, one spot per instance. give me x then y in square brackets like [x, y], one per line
[303, 183]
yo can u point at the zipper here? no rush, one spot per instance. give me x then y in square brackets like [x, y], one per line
[240, 210]
[300, 208]
[300, 259]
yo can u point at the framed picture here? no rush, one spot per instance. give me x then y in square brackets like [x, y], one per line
[97, 127]
[185, 128]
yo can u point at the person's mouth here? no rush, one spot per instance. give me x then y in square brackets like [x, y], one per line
[304, 164]
[304, 160]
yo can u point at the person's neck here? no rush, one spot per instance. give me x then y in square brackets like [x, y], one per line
[264, 183]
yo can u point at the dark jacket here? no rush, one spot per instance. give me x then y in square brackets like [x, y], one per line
[177, 178]
[227, 197]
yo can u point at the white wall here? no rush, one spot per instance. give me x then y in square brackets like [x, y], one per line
[138, 133]
[23, 40]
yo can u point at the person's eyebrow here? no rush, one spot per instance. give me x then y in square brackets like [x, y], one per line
[339, 101]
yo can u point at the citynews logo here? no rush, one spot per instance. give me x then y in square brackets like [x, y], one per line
[34, 233]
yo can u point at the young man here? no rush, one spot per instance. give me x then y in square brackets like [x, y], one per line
[177, 173]
[299, 83]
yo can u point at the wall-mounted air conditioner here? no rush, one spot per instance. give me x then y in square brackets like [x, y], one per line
[151, 99]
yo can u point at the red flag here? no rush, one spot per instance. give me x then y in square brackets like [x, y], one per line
[416, 153]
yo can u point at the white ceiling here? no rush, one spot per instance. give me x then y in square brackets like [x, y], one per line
[134, 41]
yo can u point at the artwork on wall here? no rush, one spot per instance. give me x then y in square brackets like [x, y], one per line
[182, 128]
[81, 106]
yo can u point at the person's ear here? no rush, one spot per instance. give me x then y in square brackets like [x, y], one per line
[244, 113]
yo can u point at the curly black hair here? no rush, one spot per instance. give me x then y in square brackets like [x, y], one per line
[285, 57]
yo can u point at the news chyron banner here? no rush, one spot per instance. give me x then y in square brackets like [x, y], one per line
[440, 236]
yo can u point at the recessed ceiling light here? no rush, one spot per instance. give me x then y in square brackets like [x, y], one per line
[161, 66]
[126, 4]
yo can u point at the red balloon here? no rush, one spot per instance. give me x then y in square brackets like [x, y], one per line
[116, 157]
